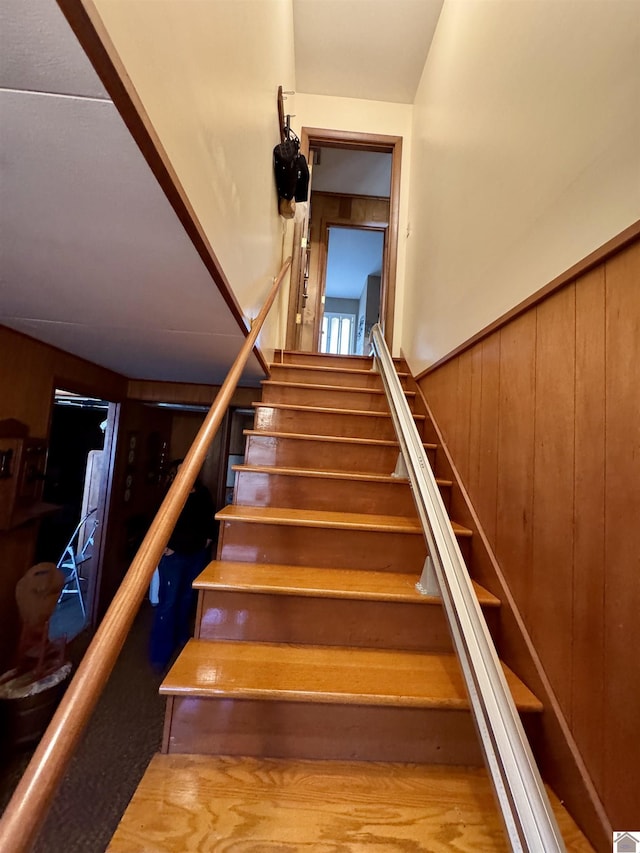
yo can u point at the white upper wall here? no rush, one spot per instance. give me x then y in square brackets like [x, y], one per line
[342, 170]
[361, 116]
[525, 157]
[208, 81]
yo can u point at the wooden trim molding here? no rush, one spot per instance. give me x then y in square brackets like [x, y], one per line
[351, 195]
[580, 268]
[85, 21]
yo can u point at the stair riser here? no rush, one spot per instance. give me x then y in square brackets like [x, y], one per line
[323, 423]
[323, 455]
[259, 489]
[363, 401]
[321, 546]
[304, 730]
[319, 360]
[291, 373]
[306, 620]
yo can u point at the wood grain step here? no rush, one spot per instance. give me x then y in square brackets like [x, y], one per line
[353, 540]
[282, 417]
[333, 520]
[325, 490]
[331, 396]
[327, 675]
[278, 700]
[193, 802]
[315, 374]
[314, 581]
[338, 452]
[316, 606]
[328, 474]
[326, 360]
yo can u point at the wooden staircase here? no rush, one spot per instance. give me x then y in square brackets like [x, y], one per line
[320, 705]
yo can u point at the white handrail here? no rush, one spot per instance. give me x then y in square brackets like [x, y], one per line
[529, 822]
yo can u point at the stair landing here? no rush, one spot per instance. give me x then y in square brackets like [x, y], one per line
[202, 803]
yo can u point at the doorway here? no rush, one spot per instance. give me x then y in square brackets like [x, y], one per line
[352, 288]
[77, 478]
[335, 206]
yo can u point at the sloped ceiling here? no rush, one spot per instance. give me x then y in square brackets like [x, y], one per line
[93, 258]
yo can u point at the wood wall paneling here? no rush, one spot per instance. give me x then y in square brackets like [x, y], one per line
[444, 385]
[185, 392]
[516, 455]
[475, 422]
[463, 416]
[557, 492]
[29, 371]
[485, 499]
[550, 603]
[587, 701]
[622, 537]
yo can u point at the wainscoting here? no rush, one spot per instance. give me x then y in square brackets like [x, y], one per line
[542, 419]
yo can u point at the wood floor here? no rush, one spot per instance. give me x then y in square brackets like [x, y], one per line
[196, 804]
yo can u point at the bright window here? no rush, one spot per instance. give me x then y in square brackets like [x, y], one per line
[337, 333]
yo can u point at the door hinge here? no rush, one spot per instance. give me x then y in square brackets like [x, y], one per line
[298, 319]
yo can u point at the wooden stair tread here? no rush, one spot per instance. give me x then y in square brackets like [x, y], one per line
[327, 675]
[327, 356]
[277, 383]
[358, 371]
[320, 518]
[289, 805]
[343, 439]
[323, 518]
[318, 582]
[324, 410]
[330, 475]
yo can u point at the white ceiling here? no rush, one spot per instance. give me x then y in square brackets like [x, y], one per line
[93, 258]
[370, 49]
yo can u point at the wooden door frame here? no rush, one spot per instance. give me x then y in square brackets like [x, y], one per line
[382, 144]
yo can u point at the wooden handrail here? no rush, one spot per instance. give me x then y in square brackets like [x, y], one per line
[30, 802]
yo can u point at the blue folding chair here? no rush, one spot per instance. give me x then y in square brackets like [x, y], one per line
[72, 559]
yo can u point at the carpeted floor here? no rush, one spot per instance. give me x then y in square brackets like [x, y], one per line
[123, 734]
[67, 619]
